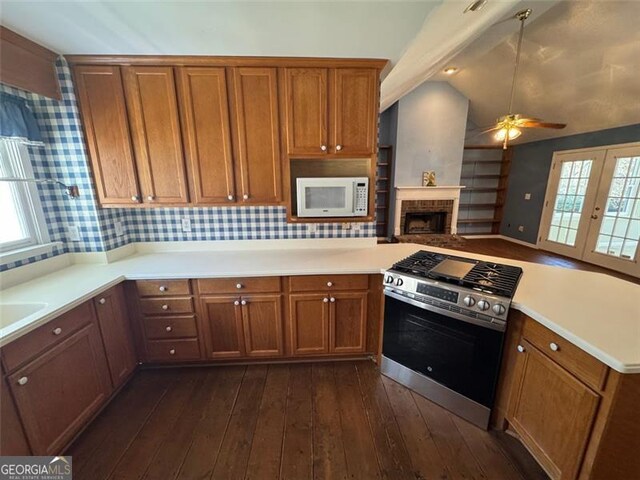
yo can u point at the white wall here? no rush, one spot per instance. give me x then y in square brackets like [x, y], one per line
[432, 121]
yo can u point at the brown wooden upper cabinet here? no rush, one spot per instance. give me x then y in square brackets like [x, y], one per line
[155, 129]
[106, 126]
[331, 111]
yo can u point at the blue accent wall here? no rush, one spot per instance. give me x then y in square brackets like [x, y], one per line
[529, 173]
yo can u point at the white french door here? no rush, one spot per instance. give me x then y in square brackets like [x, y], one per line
[592, 207]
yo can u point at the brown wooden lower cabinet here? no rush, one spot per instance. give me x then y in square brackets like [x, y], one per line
[13, 441]
[58, 392]
[262, 325]
[222, 326]
[115, 328]
[347, 322]
[309, 323]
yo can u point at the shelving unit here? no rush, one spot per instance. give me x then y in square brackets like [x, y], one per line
[384, 169]
[485, 173]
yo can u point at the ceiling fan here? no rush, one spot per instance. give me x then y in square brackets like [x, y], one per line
[509, 126]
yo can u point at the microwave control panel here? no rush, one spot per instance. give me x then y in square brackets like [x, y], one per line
[361, 191]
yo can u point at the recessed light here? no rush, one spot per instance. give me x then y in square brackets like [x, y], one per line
[475, 6]
[450, 70]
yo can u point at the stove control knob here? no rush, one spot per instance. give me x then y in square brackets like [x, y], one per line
[499, 309]
[469, 301]
[483, 305]
[399, 282]
[388, 279]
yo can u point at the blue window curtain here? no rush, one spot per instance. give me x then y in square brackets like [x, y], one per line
[17, 121]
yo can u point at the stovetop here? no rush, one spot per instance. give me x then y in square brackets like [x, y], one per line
[487, 277]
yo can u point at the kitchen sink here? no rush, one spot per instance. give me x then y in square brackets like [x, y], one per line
[13, 312]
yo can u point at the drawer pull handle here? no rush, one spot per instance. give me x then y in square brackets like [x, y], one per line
[165, 307]
[338, 147]
[325, 300]
[554, 346]
[23, 380]
[332, 300]
[172, 351]
[102, 301]
[168, 328]
[329, 284]
[323, 148]
[521, 349]
[162, 288]
[230, 198]
[57, 331]
[238, 286]
[236, 303]
[243, 302]
[245, 196]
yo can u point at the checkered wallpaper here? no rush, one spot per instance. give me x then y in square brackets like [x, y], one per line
[65, 159]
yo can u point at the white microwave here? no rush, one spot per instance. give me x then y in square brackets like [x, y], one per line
[333, 197]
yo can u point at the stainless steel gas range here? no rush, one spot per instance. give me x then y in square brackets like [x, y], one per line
[444, 324]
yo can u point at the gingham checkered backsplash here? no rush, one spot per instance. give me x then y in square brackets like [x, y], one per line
[65, 159]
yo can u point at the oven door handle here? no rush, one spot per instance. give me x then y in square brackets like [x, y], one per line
[494, 324]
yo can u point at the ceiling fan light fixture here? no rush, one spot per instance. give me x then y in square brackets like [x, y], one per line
[450, 70]
[475, 6]
[512, 133]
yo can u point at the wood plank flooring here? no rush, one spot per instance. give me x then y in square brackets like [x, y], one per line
[340, 420]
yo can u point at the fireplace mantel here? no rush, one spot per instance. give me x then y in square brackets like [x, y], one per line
[428, 193]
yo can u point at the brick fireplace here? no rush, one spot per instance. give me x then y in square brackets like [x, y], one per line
[426, 210]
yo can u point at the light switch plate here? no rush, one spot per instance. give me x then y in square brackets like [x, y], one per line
[312, 228]
[119, 228]
[73, 231]
[186, 224]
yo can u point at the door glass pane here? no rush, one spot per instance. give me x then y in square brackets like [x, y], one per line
[572, 188]
[620, 228]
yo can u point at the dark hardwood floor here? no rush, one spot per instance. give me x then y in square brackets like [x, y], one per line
[503, 248]
[340, 420]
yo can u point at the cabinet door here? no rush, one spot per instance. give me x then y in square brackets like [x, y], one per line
[309, 323]
[552, 412]
[222, 319]
[306, 110]
[354, 111]
[257, 128]
[106, 126]
[13, 441]
[262, 322]
[116, 334]
[57, 393]
[348, 322]
[206, 133]
[155, 129]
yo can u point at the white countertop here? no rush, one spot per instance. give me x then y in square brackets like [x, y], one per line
[596, 312]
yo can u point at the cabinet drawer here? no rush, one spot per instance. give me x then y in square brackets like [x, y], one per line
[239, 285]
[576, 361]
[310, 283]
[170, 327]
[33, 343]
[173, 350]
[158, 288]
[166, 306]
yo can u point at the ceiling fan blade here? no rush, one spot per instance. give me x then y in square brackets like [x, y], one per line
[484, 130]
[535, 123]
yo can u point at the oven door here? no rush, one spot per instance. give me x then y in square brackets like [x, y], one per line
[459, 355]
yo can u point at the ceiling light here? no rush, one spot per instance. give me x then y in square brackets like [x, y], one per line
[450, 70]
[475, 6]
[502, 133]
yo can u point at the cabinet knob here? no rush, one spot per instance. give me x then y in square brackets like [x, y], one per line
[230, 198]
[57, 331]
[323, 148]
[329, 284]
[135, 198]
[151, 198]
[165, 307]
[162, 288]
[172, 351]
[332, 300]
[243, 302]
[338, 147]
[520, 348]
[236, 303]
[325, 300]
[238, 286]
[168, 328]
[245, 196]
[23, 380]
[554, 346]
[102, 301]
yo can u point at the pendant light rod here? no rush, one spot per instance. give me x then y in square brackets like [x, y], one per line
[522, 16]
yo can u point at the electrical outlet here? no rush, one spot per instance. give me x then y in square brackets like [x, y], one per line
[356, 227]
[119, 228]
[186, 224]
[312, 227]
[73, 231]
[527, 196]
[521, 228]
[346, 226]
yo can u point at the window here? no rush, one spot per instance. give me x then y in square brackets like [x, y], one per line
[23, 231]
